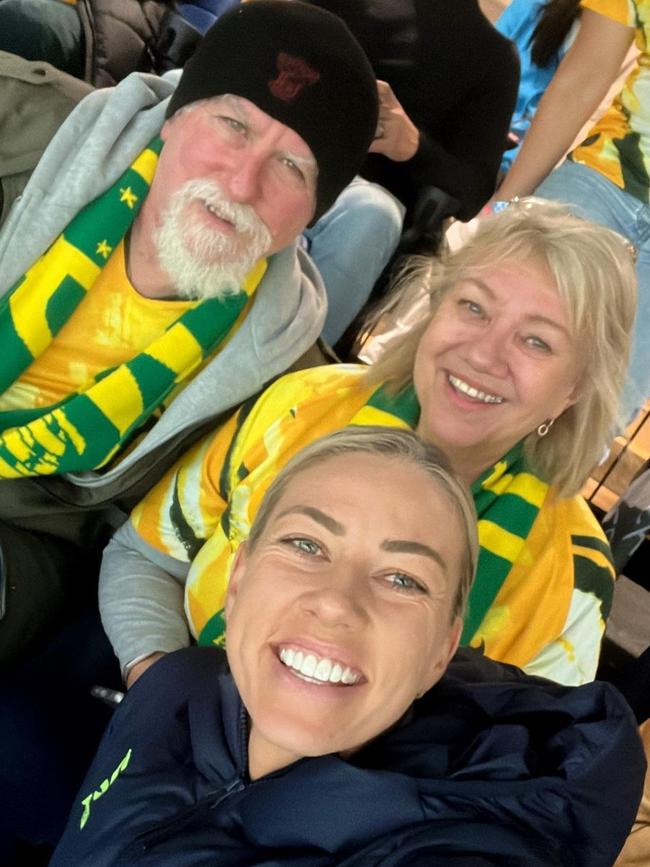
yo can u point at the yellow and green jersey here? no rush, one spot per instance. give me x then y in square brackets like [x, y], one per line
[618, 146]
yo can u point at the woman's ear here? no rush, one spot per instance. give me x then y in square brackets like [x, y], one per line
[236, 573]
[454, 638]
[441, 660]
[572, 398]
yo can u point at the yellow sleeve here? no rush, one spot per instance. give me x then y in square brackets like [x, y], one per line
[184, 508]
[621, 11]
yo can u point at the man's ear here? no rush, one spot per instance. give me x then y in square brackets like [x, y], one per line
[164, 132]
[236, 572]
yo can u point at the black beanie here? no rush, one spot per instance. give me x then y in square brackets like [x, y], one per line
[302, 66]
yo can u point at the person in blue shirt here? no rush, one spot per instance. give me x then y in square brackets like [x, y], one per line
[542, 30]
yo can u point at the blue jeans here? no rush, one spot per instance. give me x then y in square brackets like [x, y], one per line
[593, 197]
[350, 245]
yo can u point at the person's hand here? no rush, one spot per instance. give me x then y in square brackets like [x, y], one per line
[140, 667]
[397, 136]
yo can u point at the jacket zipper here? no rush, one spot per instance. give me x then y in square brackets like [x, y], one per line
[148, 839]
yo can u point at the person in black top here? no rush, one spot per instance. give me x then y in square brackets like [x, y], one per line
[447, 86]
[454, 77]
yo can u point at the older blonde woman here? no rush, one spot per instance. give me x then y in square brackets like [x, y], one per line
[515, 374]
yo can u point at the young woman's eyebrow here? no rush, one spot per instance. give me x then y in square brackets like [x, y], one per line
[407, 546]
[320, 517]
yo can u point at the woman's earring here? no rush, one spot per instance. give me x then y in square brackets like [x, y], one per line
[545, 427]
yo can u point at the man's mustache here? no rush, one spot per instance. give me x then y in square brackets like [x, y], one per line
[243, 217]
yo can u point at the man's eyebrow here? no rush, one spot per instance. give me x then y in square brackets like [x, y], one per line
[407, 546]
[234, 103]
[320, 517]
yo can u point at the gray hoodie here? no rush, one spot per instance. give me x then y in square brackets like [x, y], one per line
[101, 137]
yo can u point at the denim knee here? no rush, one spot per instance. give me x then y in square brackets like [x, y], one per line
[377, 214]
[350, 245]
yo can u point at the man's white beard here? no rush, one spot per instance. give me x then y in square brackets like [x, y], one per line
[203, 262]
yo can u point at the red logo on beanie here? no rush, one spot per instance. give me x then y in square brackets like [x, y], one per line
[293, 75]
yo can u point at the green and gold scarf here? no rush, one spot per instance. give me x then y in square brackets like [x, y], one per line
[86, 429]
[507, 498]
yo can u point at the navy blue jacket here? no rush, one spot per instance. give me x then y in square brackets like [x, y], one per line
[488, 768]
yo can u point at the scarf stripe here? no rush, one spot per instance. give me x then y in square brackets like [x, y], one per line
[86, 429]
[522, 512]
[508, 498]
[43, 299]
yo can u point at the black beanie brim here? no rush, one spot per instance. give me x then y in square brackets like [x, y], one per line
[301, 65]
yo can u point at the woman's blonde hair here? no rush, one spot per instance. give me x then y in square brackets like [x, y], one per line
[391, 443]
[593, 269]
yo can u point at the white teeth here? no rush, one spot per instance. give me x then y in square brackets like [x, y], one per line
[318, 669]
[474, 393]
[308, 666]
[216, 213]
[323, 670]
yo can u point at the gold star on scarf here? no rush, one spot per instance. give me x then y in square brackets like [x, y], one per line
[104, 249]
[127, 195]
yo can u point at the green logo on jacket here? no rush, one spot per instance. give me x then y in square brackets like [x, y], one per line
[104, 786]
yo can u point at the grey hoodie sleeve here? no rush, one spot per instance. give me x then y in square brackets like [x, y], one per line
[141, 598]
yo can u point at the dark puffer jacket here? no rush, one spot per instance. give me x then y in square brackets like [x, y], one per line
[488, 768]
[120, 37]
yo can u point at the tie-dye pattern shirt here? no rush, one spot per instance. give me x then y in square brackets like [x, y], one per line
[111, 325]
[618, 146]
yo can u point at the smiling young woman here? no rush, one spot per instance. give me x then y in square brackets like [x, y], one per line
[355, 541]
[330, 731]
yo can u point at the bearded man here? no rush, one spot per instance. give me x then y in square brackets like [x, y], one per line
[152, 280]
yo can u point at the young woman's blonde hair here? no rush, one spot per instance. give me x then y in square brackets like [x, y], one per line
[593, 269]
[398, 444]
